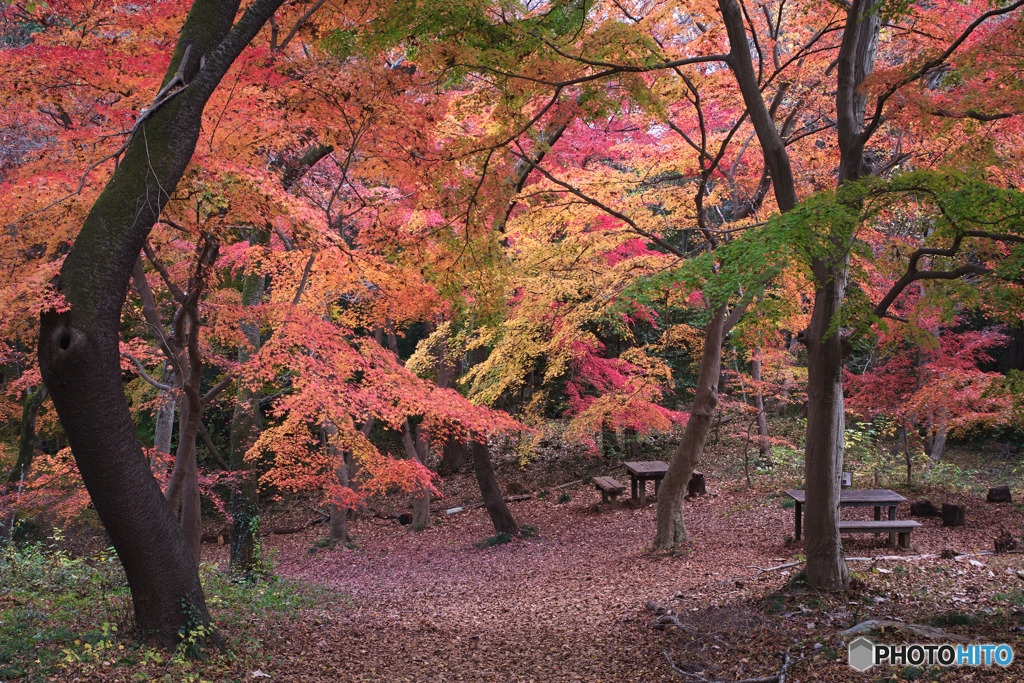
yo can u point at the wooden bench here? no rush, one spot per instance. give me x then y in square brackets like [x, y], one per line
[903, 527]
[609, 488]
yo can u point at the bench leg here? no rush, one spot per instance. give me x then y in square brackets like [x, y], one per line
[904, 539]
[643, 492]
[604, 496]
[657, 485]
[613, 497]
[798, 512]
[632, 481]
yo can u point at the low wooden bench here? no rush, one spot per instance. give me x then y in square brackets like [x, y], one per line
[903, 527]
[609, 488]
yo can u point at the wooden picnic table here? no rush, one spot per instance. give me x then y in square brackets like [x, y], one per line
[640, 472]
[876, 498]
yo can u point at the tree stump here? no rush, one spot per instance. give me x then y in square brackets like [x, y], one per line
[999, 494]
[696, 485]
[1005, 541]
[924, 508]
[953, 515]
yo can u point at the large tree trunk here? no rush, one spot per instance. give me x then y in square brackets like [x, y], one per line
[671, 529]
[246, 425]
[27, 434]
[78, 345]
[823, 453]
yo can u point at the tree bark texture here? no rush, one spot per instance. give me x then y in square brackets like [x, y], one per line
[823, 453]
[416, 449]
[494, 501]
[78, 345]
[671, 529]
[823, 449]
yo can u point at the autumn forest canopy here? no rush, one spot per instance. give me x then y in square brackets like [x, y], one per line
[335, 252]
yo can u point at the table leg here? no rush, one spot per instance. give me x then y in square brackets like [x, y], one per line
[892, 516]
[798, 512]
[643, 492]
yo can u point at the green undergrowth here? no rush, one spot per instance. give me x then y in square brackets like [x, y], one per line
[64, 617]
[525, 531]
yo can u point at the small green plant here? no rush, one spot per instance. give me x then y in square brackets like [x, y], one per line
[193, 633]
[541, 495]
[564, 498]
[787, 503]
[952, 619]
[1015, 598]
[491, 541]
[528, 530]
[774, 603]
[911, 673]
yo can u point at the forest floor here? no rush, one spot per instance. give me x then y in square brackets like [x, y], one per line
[580, 600]
[575, 601]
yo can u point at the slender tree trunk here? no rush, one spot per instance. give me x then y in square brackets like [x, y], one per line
[338, 534]
[78, 345]
[762, 421]
[183, 488]
[26, 452]
[938, 441]
[671, 529]
[27, 434]
[246, 425]
[417, 450]
[609, 440]
[167, 406]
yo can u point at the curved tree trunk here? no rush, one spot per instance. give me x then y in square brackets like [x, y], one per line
[671, 529]
[78, 345]
[494, 501]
